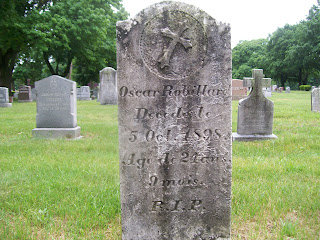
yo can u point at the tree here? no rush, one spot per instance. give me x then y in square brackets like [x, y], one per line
[248, 55]
[17, 32]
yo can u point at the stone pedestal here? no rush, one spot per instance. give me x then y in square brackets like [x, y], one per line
[54, 133]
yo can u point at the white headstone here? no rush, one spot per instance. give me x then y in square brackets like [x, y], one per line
[108, 86]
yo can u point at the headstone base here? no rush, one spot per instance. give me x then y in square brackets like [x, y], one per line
[25, 100]
[239, 137]
[54, 133]
[5, 105]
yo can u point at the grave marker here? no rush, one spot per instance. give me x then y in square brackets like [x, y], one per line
[255, 113]
[24, 94]
[108, 86]
[83, 93]
[56, 109]
[4, 98]
[315, 100]
[174, 98]
[238, 90]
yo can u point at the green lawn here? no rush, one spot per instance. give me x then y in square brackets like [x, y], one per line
[56, 189]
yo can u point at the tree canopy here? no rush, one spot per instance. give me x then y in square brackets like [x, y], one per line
[41, 38]
[290, 55]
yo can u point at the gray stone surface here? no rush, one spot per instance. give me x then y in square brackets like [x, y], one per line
[288, 89]
[33, 94]
[4, 98]
[24, 94]
[315, 100]
[255, 113]
[56, 108]
[108, 86]
[83, 93]
[267, 91]
[174, 98]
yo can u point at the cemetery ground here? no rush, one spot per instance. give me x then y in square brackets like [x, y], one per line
[60, 189]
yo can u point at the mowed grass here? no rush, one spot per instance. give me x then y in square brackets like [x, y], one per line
[59, 189]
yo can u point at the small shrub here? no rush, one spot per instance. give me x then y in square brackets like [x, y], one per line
[305, 87]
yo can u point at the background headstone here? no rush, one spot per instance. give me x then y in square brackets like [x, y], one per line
[274, 88]
[108, 86]
[255, 113]
[238, 90]
[4, 98]
[83, 93]
[267, 91]
[33, 94]
[24, 94]
[315, 100]
[287, 89]
[56, 109]
[174, 98]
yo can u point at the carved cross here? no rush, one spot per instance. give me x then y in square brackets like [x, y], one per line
[257, 82]
[176, 38]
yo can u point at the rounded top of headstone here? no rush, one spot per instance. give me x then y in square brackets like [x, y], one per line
[107, 70]
[173, 38]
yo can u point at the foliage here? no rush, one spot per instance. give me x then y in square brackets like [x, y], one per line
[248, 55]
[290, 56]
[57, 33]
[305, 87]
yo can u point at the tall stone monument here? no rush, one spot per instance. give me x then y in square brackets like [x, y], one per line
[108, 86]
[255, 113]
[4, 98]
[315, 100]
[56, 109]
[174, 98]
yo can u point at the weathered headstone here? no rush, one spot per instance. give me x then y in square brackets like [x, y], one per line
[108, 86]
[238, 90]
[287, 89]
[267, 91]
[313, 87]
[24, 94]
[56, 109]
[280, 89]
[33, 94]
[255, 113]
[4, 98]
[174, 98]
[315, 100]
[83, 93]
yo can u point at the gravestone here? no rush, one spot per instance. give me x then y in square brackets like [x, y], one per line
[33, 94]
[287, 89]
[315, 100]
[56, 109]
[83, 93]
[24, 94]
[238, 90]
[255, 113]
[174, 101]
[108, 86]
[274, 88]
[4, 98]
[313, 87]
[280, 89]
[267, 91]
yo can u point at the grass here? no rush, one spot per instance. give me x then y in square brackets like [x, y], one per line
[70, 189]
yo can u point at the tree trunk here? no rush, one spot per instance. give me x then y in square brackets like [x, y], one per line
[300, 77]
[7, 62]
[305, 79]
[283, 80]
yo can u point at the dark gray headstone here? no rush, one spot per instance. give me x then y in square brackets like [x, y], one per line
[255, 113]
[56, 108]
[4, 98]
[315, 100]
[108, 86]
[24, 94]
[174, 98]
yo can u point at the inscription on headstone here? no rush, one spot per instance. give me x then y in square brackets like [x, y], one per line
[24, 94]
[174, 98]
[315, 100]
[255, 113]
[56, 108]
[108, 86]
[4, 98]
